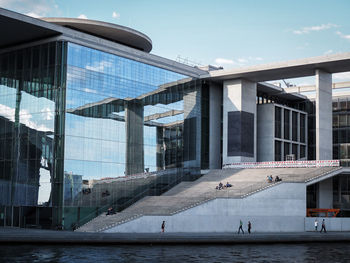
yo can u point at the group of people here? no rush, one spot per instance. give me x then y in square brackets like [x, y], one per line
[241, 227]
[110, 211]
[222, 186]
[270, 178]
[323, 226]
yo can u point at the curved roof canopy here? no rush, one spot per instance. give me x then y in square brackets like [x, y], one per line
[116, 33]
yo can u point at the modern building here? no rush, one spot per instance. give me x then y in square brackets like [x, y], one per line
[90, 119]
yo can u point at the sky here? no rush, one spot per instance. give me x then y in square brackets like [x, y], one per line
[228, 33]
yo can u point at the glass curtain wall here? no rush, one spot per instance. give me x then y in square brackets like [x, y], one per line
[341, 130]
[131, 130]
[32, 95]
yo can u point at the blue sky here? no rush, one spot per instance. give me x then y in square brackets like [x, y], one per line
[229, 33]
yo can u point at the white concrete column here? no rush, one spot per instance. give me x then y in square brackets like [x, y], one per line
[324, 136]
[325, 194]
[239, 121]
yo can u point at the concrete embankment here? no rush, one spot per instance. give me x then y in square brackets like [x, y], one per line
[30, 236]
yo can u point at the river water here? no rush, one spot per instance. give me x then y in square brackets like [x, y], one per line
[311, 252]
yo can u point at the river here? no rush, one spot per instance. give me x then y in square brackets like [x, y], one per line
[310, 252]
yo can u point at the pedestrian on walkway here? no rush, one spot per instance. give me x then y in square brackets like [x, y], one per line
[249, 227]
[163, 226]
[316, 224]
[240, 227]
[323, 227]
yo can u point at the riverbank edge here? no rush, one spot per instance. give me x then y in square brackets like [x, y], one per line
[34, 236]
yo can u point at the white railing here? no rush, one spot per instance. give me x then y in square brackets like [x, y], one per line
[285, 164]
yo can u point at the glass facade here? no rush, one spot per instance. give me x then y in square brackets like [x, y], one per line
[82, 130]
[341, 129]
[125, 120]
[32, 91]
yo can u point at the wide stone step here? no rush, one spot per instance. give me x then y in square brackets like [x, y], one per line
[190, 194]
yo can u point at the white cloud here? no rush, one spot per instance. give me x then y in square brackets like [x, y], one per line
[238, 62]
[223, 61]
[34, 8]
[242, 60]
[330, 51]
[47, 114]
[306, 30]
[343, 35]
[344, 76]
[25, 118]
[33, 15]
[82, 16]
[99, 66]
[115, 15]
[90, 90]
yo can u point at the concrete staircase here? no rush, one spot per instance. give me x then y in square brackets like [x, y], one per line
[190, 194]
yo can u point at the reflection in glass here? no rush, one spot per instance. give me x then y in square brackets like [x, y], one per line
[126, 132]
[31, 86]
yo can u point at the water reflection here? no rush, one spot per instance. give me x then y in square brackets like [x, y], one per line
[314, 252]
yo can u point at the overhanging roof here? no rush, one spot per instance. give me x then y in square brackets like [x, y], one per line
[116, 33]
[288, 69]
[17, 29]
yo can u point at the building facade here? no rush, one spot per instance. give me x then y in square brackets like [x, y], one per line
[90, 120]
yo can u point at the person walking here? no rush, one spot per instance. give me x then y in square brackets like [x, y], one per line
[316, 224]
[163, 226]
[240, 227]
[249, 227]
[323, 226]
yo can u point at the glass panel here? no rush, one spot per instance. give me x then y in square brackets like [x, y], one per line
[302, 128]
[294, 126]
[278, 117]
[278, 151]
[302, 151]
[286, 149]
[286, 124]
[342, 120]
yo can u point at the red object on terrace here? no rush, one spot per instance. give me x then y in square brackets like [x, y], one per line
[322, 212]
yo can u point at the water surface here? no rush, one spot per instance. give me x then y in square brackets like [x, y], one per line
[311, 252]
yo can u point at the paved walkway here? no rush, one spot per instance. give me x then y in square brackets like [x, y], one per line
[16, 235]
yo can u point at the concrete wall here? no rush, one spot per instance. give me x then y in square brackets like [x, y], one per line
[332, 224]
[325, 194]
[281, 208]
[238, 95]
[215, 101]
[266, 132]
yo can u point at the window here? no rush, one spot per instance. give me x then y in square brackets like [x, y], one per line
[278, 152]
[295, 126]
[278, 116]
[302, 128]
[286, 124]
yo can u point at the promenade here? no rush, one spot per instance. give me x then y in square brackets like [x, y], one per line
[30, 236]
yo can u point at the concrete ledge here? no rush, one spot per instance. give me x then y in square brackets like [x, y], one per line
[30, 236]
